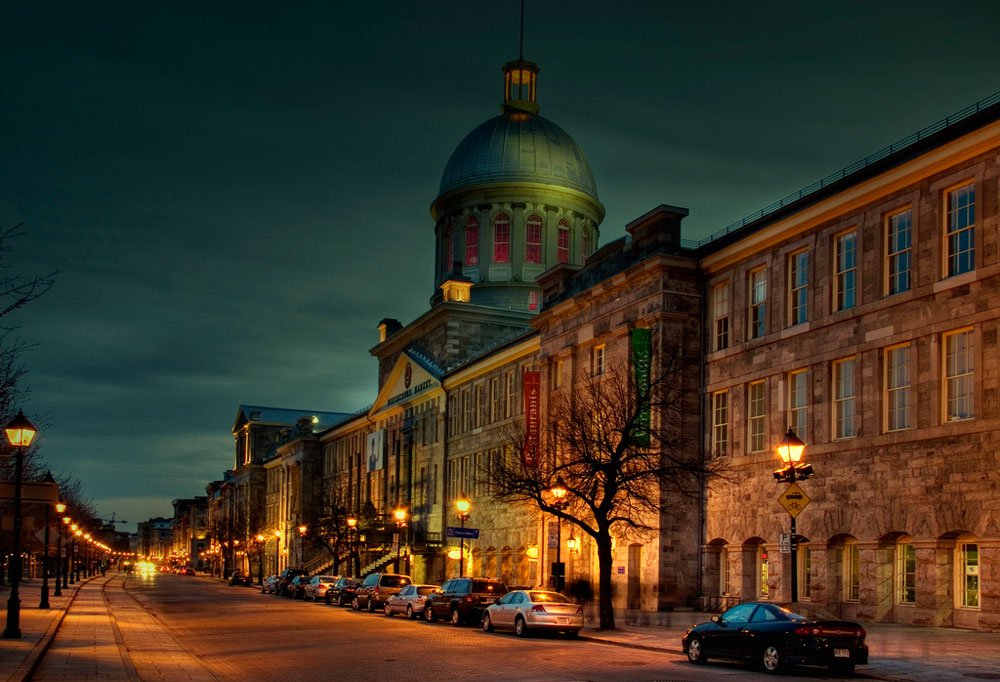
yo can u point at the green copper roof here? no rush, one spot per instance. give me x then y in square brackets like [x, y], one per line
[517, 147]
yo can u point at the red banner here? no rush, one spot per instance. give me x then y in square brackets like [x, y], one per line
[532, 383]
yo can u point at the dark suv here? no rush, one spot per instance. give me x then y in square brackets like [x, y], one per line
[285, 579]
[376, 588]
[463, 600]
[342, 592]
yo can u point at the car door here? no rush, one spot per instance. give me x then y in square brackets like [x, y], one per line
[439, 603]
[400, 600]
[501, 613]
[727, 638]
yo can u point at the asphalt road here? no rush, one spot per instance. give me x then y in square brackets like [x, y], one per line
[238, 633]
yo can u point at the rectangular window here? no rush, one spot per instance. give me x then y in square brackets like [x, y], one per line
[720, 422]
[533, 240]
[805, 571]
[757, 301]
[532, 300]
[598, 361]
[798, 288]
[959, 375]
[472, 242]
[508, 405]
[898, 241]
[843, 398]
[763, 587]
[845, 270]
[906, 574]
[968, 566]
[480, 405]
[720, 316]
[557, 370]
[961, 229]
[897, 388]
[756, 417]
[501, 239]
[466, 410]
[562, 245]
[798, 401]
[852, 572]
[724, 579]
[495, 399]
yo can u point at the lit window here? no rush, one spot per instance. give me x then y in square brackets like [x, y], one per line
[562, 246]
[758, 298]
[472, 241]
[805, 571]
[557, 370]
[798, 399]
[501, 239]
[961, 233]
[906, 573]
[532, 300]
[897, 388]
[898, 251]
[756, 417]
[959, 375]
[852, 571]
[598, 360]
[846, 271]
[720, 315]
[762, 573]
[720, 422]
[843, 398]
[968, 575]
[798, 287]
[533, 240]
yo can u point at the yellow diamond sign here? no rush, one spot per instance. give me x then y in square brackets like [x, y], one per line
[794, 500]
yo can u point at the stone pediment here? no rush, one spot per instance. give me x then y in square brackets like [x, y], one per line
[407, 380]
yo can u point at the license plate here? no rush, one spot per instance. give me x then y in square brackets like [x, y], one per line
[841, 653]
[562, 621]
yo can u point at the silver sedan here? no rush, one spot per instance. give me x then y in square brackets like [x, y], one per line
[409, 600]
[526, 610]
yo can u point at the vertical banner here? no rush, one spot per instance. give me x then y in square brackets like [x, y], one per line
[376, 457]
[532, 384]
[641, 360]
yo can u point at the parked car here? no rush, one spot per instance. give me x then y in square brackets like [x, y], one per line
[775, 637]
[525, 610]
[376, 588]
[296, 589]
[285, 578]
[342, 592]
[463, 600]
[269, 584]
[410, 600]
[317, 586]
[185, 570]
[240, 578]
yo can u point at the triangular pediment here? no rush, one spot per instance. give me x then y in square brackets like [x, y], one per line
[407, 381]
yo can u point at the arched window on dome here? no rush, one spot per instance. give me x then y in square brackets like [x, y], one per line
[562, 245]
[449, 249]
[501, 239]
[533, 240]
[472, 241]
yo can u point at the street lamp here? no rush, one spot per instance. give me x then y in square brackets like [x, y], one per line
[790, 450]
[400, 515]
[43, 603]
[352, 540]
[462, 507]
[277, 547]
[60, 548]
[260, 557]
[558, 572]
[20, 433]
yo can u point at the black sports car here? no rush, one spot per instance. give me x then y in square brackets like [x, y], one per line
[775, 637]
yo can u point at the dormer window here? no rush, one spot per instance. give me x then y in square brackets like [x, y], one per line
[457, 291]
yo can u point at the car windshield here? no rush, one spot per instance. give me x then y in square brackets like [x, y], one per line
[548, 598]
[395, 581]
[484, 586]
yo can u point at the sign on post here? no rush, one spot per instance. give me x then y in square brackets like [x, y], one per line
[794, 500]
[785, 544]
[459, 532]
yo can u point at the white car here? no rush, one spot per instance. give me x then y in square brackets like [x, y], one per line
[317, 586]
[525, 610]
[409, 600]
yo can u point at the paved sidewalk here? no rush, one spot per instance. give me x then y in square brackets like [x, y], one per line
[38, 627]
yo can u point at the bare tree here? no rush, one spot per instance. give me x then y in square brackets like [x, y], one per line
[624, 450]
[329, 526]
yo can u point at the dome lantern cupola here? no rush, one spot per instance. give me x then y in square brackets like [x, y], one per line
[520, 80]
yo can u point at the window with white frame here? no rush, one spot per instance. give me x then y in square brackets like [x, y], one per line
[720, 422]
[597, 360]
[466, 409]
[501, 239]
[843, 398]
[959, 375]
[562, 242]
[509, 404]
[533, 240]
[897, 388]
[845, 270]
[798, 402]
[472, 241]
[720, 316]
[798, 288]
[725, 582]
[494, 399]
[852, 571]
[906, 573]
[898, 246]
[756, 417]
[757, 301]
[967, 565]
[805, 571]
[960, 229]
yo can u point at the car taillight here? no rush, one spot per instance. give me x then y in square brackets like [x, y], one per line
[538, 608]
[420, 599]
[467, 597]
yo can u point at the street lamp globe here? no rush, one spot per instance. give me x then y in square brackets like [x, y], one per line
[558, 490]
[790, 448]
[399, 514]
[352, 522]
[302, 529]
[463, 505]
[20, 431]
[60, 506]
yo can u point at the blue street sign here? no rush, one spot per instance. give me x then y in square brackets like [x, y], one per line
[467, 533]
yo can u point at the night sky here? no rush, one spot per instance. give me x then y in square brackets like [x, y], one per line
[236, 194]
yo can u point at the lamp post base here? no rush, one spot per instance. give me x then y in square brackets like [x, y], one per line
[13, 628]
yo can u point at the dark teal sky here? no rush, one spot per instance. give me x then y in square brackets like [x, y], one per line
[236, 193]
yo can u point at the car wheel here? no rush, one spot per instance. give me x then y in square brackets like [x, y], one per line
[696, 652]
[487, 623]
[355, 604]
[520, 627]
[387, 610]
[429, 613]
[409, 611]
[842, 668]
[456, 617]
[772, 659]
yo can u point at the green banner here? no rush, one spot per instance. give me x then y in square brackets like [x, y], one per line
[642, 351]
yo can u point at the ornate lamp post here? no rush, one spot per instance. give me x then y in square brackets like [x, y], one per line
[20, 433]
[790, 451]
[43, 602]
[277, 548]
[260, 556]
[400, 515]
[558, 573]
[462, 508]
[352, 542]
[88, 571]
[60, 548]
[303, 529]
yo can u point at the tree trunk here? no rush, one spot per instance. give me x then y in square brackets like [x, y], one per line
[605, 595]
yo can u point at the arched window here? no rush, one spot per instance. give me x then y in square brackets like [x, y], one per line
[562, 245]
[533, 240]
[501, 239]
[472, 241]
